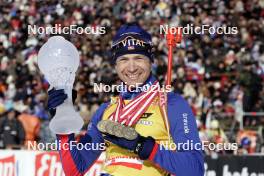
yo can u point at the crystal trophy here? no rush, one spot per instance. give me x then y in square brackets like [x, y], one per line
[58, 60]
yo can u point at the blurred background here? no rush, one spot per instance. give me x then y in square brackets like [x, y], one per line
[221, 76]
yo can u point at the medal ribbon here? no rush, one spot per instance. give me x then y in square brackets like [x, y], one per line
[126, 108]
[132, 119]
[130, 113]
[163, 107]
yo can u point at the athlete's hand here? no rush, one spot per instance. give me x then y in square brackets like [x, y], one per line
[143, 146]
[56, 98]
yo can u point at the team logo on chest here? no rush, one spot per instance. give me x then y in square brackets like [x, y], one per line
[146, 115]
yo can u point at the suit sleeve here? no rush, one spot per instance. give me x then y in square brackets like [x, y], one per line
[184, 161]
[76, 161]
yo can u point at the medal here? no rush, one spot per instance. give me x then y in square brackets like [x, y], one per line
[129, 133]
[101, 126]
[117, 129]
[119, 122]
[109, 127]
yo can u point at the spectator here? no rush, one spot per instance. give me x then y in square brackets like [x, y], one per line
[31, 125]
[11, 131]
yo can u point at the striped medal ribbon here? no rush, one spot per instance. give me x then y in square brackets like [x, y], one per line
[129, 114]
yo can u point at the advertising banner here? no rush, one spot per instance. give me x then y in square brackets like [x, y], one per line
[43, 163]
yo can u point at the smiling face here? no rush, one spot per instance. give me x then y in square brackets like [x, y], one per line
[133, 69]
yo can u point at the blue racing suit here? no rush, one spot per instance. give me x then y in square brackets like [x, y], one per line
[183, 129]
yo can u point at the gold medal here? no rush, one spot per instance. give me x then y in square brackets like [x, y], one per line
[129, 133]
[117, 130]
[109, 127]
[101, 126]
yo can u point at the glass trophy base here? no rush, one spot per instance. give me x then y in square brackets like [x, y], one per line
[66, 120]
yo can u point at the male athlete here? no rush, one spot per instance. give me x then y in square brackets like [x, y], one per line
[149, 153]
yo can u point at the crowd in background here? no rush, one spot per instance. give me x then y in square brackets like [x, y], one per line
[220, 75]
